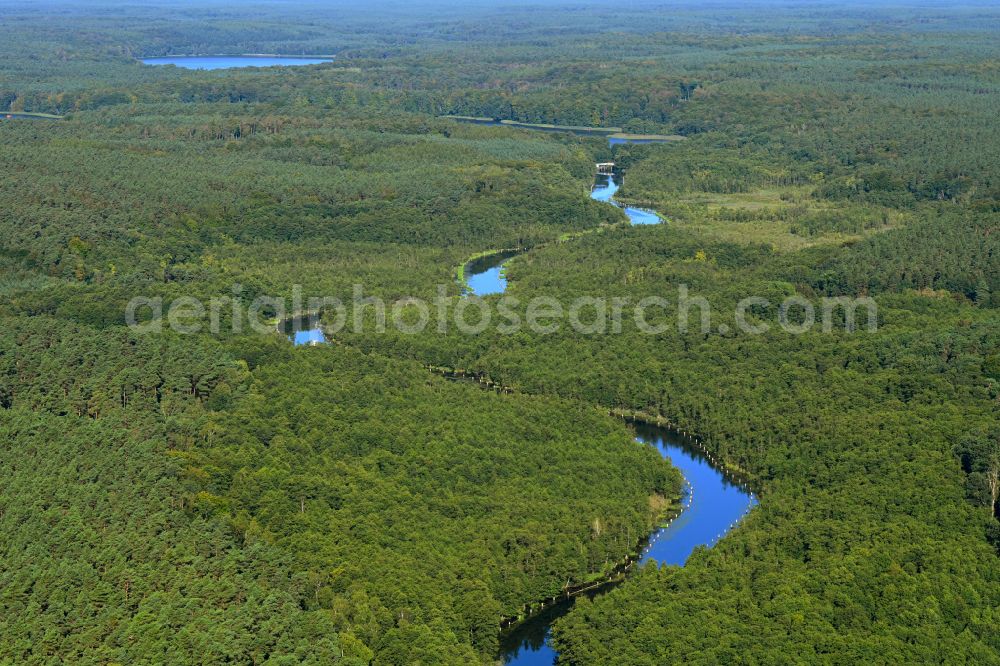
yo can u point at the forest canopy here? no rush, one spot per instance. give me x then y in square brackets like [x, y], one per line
[227, 497]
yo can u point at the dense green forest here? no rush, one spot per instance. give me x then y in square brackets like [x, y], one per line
[226, 497]
[362, 500]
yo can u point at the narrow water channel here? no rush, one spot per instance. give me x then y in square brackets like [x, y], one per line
[713, 504]
[485, 275]
[604, 190]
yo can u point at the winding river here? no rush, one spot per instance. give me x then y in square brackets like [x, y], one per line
[604, 190]
[485, 275]
[713, 501]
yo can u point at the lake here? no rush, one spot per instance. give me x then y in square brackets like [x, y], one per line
[233, 61]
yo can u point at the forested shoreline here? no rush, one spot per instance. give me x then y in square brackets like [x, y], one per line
[225, 497]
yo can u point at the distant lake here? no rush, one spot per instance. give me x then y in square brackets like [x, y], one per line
[232, 62]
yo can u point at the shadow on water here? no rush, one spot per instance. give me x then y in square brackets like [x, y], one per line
[527, 643]
[303, 330]
[714, 501]
[484, 276]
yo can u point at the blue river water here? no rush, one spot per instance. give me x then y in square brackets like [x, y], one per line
[713, 502]
[712, 505]
[604, 190]
[490, 281]
[232, 62]
[485, 275]
[618, 140]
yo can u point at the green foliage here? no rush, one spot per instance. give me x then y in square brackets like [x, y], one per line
[215, 498]
[344, 489]
[850, 437]
[100, 560]
[434, 500]
[947, 250]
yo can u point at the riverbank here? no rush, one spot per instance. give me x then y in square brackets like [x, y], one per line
[666, 510]
[713, 504]
[603, 580]
[738, 473]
